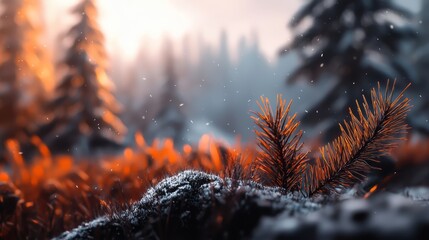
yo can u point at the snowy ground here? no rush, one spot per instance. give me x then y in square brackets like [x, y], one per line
[198, 205]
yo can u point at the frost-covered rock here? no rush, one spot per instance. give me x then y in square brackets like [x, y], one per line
[193, 205]
[420, 194]
[196, 205]
[385, 216]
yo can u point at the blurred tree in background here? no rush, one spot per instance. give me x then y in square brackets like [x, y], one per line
[169, 121]
[83, 112]
[356, 43]
[24, 69]
[421, 60]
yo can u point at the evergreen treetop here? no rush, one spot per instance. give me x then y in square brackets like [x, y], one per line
[84, 110]
[355, 42]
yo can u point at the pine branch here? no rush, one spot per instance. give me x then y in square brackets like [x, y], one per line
[280, 158]
[367, 136]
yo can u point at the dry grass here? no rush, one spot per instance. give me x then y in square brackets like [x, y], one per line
[53, 194]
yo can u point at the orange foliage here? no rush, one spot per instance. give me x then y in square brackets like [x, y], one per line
[368, 135]
[281, 158]
[371, 191]
[412, 153]
[52, 194]
[4, 177]
[57, 193]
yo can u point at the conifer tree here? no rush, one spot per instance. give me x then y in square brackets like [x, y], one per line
[84, 110]
[170, 119]
[225, 86]
[23, 69]
[355, 42]
[421, 60]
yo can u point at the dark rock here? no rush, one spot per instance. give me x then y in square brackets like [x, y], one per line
[195, 205]
[385, 216]
[407, 176]
[9, 198]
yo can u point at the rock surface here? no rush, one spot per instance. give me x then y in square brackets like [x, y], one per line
[384, 216]
[195, 205]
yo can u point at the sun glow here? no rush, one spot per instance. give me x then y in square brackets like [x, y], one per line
[127, 23]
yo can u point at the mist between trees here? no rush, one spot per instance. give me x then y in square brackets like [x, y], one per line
[188, 87]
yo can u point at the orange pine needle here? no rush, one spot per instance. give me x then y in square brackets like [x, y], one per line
[280, 158]
[367, 136]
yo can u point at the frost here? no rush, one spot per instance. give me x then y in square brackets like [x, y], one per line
[417, 193]
[81, 231]
[352, 219]
[190, 197]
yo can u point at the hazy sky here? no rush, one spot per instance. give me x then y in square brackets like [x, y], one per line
[126, 23]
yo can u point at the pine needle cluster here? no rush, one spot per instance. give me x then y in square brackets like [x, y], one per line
[371, 133]
[280, 159]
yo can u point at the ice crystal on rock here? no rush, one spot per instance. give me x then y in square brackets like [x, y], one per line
[194, 204]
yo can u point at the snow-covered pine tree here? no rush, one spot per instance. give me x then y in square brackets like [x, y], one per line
[421, 58]
[170, 120]
[24, 69]
[355, 42]
[84, 110]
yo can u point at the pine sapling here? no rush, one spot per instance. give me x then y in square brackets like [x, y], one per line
[280, 160]
[370, 134]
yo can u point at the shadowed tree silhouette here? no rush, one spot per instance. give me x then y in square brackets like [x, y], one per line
[84, 110]
[355, 42]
